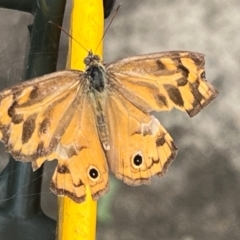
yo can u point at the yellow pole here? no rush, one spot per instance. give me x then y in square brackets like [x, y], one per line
[78, 221]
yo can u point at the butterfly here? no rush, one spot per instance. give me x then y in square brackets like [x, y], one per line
[100, 119]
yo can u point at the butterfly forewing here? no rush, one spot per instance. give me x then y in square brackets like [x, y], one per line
[162, 81]
[32, 111]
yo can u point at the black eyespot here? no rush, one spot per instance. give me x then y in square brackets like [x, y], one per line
[137, 160]
[203, 75]
[93, 173]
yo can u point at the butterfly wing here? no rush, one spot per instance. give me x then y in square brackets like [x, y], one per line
[50, 117]
[162, 81]
[139, 146]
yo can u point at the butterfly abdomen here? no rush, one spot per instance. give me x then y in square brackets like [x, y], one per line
[103, 130]
[99, 103]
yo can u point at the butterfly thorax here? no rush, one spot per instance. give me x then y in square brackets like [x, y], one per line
[96, 75]
[96, 78]
[95, 72]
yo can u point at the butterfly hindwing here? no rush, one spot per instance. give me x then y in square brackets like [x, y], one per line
[139, 146]
[84, 163]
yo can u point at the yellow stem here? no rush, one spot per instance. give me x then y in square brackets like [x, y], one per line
[78, 221]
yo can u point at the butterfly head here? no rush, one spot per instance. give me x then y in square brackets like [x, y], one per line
[92, 60]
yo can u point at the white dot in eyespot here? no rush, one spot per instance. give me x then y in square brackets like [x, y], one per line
[137, 160]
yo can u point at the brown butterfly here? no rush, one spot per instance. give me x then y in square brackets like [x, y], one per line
[101, 118]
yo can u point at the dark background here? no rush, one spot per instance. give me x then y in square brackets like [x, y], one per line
[199, 196]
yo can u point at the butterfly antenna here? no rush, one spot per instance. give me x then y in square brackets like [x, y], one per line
[114, 15]
[68, 35]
